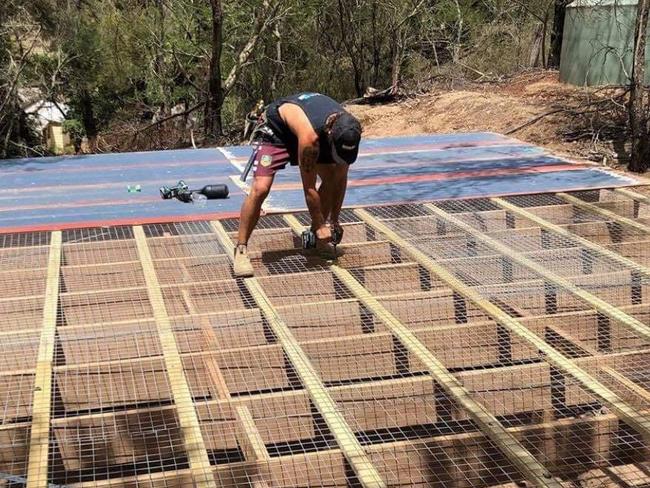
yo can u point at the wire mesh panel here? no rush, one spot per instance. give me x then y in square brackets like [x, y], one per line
[484, 343]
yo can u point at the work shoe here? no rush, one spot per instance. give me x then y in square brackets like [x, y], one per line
[242, 266]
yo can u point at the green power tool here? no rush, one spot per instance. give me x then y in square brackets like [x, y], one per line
[183, 192]
[309, 239]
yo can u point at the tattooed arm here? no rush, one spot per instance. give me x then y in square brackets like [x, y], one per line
[308, 155]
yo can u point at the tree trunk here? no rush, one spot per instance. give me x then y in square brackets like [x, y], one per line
[353, 50]
[544, 31]
[88, 119]
[557, 34]
[213, 127]
[638, 107]
[536, 50]
[376, 50]
[159, 61]
[398, 59]
[459, 36]
[277, 69]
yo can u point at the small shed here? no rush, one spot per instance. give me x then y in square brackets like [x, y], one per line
[49, 119]
[598, 41]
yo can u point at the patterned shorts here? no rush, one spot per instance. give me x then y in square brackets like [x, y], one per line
[270, 158]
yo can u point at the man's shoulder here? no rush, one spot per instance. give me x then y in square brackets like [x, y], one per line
[296, 119]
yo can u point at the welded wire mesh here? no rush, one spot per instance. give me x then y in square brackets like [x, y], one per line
[405, 354]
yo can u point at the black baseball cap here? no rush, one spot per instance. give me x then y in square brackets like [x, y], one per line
[346, 137]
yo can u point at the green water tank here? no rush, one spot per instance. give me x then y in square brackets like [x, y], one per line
[598, 40]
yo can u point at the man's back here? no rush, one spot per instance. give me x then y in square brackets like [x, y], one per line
[317, 107]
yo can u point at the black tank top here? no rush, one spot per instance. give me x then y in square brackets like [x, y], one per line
[317, 108]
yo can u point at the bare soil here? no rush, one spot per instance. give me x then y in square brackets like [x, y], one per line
[500, 107]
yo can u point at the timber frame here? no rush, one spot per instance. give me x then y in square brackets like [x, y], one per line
[143, 361]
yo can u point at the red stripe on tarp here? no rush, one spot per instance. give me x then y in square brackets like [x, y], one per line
[102, 203]
[163, 219]
[424, 147]
[81, 204]
[90, 168]
[70, 187]
[393, 180]
[448, 162]
[235, 215]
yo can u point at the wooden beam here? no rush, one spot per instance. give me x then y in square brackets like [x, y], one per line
[628, 383]
[39, 446]
[580, 322]
[365, 471]
[285, 416]
[585, 243]
[640, 422]
[602, 306]
[347, 441]
[188, 420]
[421, 459]
[253, 448]
[590, 207]
[634, 195]
[532, 469]
[248, 436]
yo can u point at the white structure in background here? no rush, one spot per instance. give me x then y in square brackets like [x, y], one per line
[49, 119]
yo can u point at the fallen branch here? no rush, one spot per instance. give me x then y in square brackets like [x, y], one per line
[535, 119]
[382, 96]
[169, 117]
[575, 112]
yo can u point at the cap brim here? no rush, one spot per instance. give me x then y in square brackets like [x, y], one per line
[342, 156]
[349, 156]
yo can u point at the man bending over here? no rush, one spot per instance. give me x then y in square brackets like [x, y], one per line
[311, 131]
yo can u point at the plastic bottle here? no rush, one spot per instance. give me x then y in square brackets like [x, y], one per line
[199, 199]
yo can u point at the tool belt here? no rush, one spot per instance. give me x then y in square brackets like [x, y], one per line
[260, 132]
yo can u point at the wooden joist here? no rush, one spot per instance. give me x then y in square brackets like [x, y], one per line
[188, 420]
[248, 437]
[533, 471]
[364, 470]
[585, 243]
[640, 197]
[590, 207]
[119, 366]
[641, 423]
[599, 304]
[39, 446]
[439, 462]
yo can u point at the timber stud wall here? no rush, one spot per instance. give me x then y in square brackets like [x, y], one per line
[481, 343]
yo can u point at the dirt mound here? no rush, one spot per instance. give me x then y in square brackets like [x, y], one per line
[459, 111]
[497, 108]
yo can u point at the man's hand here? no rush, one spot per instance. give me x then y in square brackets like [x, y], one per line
[337, 233]
[323, 233]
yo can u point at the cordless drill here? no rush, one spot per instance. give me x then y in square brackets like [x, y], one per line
[309, 239]
[183, 192]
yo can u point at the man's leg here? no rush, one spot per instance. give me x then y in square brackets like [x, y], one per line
[250, 214]
[269, 159]
[252, 207]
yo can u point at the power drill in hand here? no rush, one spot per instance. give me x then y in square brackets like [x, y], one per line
[309, 239]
